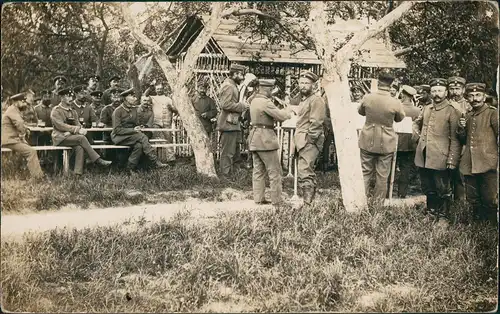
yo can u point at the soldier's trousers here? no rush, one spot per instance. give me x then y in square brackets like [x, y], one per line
[266, 162]
[140, 145]
[482, 194]
[229, 141]
[376, 167]
[457, 180]
[31, 157]
[406, 164]
[437, 188]
[80, 145]
[305, 166]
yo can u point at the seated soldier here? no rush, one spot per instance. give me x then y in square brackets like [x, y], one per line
[69, 132]
[145, 114]
[127, 131]
[97, 104]
[14, 132]
[86, 113]
[42, 111]
[106, 117]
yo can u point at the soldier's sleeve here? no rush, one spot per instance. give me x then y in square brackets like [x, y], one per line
[361, 107]
[226, 100]
[104, 118]
[18, 122]
[117, 124]
[316, 118]
[494, 123]
[418, 122]
[57, 118]
[277, 114]
[93, 116]
[212, 112]
[455, 147]
[400, 113]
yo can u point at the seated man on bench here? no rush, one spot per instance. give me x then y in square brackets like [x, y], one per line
[69, 132]
[14, 132]
[127, 131]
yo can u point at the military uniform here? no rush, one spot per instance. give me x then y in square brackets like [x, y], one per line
[377, 139]
[263, 143]
[86, 114]
[480, 158]
[66, 133]
[309, 139]
[203, 104]
[163, 114]
[13, 137]
[106, 95]
[228, 124]
[437, 147]
[124, 121]
[55, 98]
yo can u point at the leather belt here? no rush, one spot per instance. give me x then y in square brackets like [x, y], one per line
[262, 126]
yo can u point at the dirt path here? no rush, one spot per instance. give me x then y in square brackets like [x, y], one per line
[15, 225]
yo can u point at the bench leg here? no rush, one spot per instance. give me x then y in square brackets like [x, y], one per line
[66, 162]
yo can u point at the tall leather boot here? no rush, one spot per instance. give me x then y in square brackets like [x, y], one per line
[431, 203]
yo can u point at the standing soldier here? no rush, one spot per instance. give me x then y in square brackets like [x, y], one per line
[69, 132]
[59, 83]
[438, 149]
[424, 93]
[456, 95]
[263, 143]
[163, 114]
[114, 81]
[229, 119]
[14, 134]
[478, 131]
[206, 110]
[127, 131]
[406, 146]
[309, 137]
[377, 139]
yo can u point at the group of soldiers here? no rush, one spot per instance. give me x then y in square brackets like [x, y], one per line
[70, 111]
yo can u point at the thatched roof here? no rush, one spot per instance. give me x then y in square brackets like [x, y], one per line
[241, 47]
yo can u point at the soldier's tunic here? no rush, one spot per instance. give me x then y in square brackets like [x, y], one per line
[480, 159]
[309, 138]
[377, 139]
[124, 121]
[86, 114]
[106, 118]
[65, 133]
[43, 113]
[228, 124]
[406, 151]
[437, 146]
[13, 131]
[263, 143]
[145, 117]
[205, 104]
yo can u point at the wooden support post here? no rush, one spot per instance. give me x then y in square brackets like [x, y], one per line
[66, 161]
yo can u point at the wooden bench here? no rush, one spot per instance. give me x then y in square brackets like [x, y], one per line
[65, 150]
[153, 140]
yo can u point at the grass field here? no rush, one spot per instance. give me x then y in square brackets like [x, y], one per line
[318, 259]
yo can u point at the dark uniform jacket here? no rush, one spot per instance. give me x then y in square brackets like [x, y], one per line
[54, 98]
[310, 119]
[263, 114]
[124, 121]
[63, 120]
[436, 128]
[205, 104]
[231, 108]
[145, 116]
[381, 110]
[13, 128]
[43, 113]
[405, 141]
[86, 114]
[107, 115]
[106, 96]
[97, 109]
[480, 137]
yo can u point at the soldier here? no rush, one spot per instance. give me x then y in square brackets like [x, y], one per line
[145, 115]
[263, 143]
[456, 95]
[356, 94]
[377, 139]
[114, 81]
[478, 131]
[163, 114]
[92, 84]
[86, 114]
[309, 137]
[406, 146]
[205, 108]
[14, 133]
[59, 83]
[438, 149]
[127, 131]
[425, 98]
[228, 123]
[69, 132]
[42, 111]
[394, 89]
[97, 104]
[107, 112]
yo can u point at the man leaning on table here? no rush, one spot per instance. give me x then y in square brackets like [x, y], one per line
[69, 132]
[14, 132]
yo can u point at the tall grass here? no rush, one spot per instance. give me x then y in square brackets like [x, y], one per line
[316, 259]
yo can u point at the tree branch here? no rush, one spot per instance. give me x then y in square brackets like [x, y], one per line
[406, 50]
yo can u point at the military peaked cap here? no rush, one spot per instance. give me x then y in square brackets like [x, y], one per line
[65, 91]
[114, 78]
[20, 96]
[409, 90]
[475, 87]
[116, 90]
[127, 92]
[456, 81]
[438, 82]
[79, 88]
[310, 75]
[96, 93]
[237, 68]
[385, 78]
[60, 78]
[426, 88]
[266, 82]
[95, 77]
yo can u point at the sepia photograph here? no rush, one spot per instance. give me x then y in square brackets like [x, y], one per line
[249, 157]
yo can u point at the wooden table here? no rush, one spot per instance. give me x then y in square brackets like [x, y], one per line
[106, 129]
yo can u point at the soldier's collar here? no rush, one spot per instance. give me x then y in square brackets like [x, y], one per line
[125, 107]
[65, 108]
[480, 110]
[441, 105]
[78, 105]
